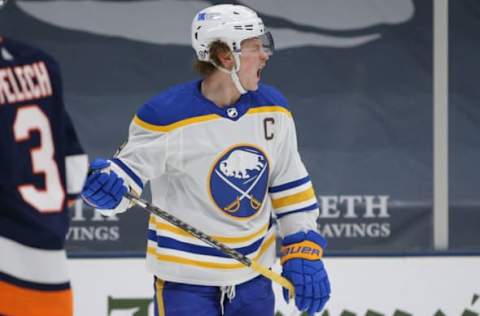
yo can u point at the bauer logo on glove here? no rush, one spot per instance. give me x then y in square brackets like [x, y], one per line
[305, 249]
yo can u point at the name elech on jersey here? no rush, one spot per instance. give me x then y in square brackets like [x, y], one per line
[24, 83]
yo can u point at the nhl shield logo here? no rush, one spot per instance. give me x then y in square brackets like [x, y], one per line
[238, 181]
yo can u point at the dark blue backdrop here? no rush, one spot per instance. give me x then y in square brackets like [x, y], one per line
[363, 113]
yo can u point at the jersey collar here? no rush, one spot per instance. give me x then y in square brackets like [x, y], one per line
[231, 112]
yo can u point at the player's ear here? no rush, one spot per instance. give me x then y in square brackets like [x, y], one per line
[226, 59]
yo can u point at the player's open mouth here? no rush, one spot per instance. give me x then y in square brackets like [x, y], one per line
[259, 72]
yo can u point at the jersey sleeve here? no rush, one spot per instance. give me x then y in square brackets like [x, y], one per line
[143, 156]
[291, 191]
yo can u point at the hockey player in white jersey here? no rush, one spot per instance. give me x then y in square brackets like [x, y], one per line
[221, 154]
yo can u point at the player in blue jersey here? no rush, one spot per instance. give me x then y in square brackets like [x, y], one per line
[221, 154]
[42, 168]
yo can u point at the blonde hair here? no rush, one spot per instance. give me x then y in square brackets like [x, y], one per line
[206, 68]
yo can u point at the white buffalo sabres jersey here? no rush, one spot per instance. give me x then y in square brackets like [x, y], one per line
[225, 171]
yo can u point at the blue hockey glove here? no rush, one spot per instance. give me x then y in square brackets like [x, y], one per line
[103, 190]
[301, 253]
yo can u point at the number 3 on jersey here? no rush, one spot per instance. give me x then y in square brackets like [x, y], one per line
[48, 200]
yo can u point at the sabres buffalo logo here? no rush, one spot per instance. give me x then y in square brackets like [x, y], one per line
[238, 180]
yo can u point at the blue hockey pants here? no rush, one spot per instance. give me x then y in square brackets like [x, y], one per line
[252, 298]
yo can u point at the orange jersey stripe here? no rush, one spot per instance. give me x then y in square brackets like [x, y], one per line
[21, 301]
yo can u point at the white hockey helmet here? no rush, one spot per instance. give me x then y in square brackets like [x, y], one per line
[230, 24]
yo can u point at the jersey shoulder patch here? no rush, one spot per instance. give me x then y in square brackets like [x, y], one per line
[269, 95]
[173, 105]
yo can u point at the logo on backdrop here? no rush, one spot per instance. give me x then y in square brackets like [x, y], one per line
[88, 225]
[347, 23]
[130, 306]
[354, 216]
[238, 181]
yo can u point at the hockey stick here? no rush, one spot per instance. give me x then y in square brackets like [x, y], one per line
[214, 243]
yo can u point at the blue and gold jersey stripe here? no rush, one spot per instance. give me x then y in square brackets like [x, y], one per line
[171, 127]
[171, 243]
[184, 260]
[289, 185]
[311, 207]
[159, 286]
[294, 198]
[162, 226]
[269, 109]
[205, 118]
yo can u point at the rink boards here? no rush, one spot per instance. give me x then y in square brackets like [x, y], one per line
[398, 286]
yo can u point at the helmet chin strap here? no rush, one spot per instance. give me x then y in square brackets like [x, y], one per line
[233, 73]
